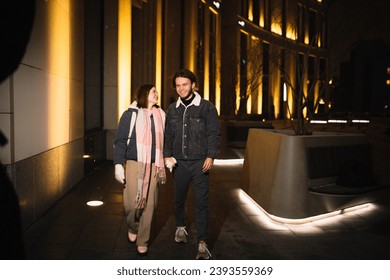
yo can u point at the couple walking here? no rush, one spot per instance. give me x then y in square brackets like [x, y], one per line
[186, 140]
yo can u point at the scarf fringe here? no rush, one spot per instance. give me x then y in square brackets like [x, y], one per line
[144, 144]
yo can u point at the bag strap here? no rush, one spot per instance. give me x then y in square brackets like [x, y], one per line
[132, 123]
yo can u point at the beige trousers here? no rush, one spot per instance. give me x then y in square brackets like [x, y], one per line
[141, 228]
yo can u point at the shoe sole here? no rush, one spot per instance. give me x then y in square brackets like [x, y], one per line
[133, 238]
[200, 258]
[142, 254]
[180, 241]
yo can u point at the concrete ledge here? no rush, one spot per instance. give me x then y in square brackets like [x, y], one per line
[275, 172]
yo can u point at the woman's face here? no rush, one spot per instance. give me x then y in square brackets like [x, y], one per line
[153, 97]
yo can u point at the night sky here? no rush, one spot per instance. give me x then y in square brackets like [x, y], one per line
[355, 20]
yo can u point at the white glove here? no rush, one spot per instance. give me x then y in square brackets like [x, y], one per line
[170, 163]
[120, 173]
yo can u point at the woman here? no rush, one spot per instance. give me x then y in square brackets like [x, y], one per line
[138, 145]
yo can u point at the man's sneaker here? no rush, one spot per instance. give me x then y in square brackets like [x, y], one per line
[203, 252]
[181, 235]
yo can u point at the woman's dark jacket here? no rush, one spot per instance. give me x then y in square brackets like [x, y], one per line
[122, 151]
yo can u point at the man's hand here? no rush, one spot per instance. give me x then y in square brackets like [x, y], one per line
[207, 165]
[170, 163]
[120, 173]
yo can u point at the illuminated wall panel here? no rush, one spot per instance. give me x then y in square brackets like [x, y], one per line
[159, 47]
[124, 55]
[5, 120]
[48, 85]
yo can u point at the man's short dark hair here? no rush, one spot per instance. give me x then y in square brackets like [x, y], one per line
[184, 73]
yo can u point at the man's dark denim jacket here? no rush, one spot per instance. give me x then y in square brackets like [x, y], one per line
[192, 132]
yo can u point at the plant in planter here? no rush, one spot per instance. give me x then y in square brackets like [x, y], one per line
[295, 73]
[289, 76]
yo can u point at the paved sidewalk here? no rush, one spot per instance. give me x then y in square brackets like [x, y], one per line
[73, 230]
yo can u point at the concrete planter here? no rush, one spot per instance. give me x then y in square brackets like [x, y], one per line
[294, 177]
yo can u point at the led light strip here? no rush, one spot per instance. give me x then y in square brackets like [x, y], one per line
[224, 162]
[245, 198]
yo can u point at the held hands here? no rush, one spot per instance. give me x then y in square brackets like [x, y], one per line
[120, 173]
[170, 163]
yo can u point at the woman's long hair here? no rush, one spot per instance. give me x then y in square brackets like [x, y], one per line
[142, 95]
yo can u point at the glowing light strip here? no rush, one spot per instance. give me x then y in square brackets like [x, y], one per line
[58, 85]
[159, 49]
[279, 220]
[360, 121]
[319, 121]
[124, 55]
[273, 221]
[337, 121]
[224, 162]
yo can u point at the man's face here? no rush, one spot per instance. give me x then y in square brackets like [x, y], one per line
[184, 87]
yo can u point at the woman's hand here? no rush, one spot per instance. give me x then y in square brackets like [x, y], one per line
[120, 173]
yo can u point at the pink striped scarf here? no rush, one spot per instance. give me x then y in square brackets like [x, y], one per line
[144, 149]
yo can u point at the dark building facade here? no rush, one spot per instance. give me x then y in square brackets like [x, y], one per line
[84, 60]
[364, 85]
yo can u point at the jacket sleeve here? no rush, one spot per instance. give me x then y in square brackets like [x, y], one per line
[213, 132]
[120, 142]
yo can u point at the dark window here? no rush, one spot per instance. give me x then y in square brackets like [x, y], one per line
[313, 28]
[265, 82]
[256, 12]
[212, 56]
[200, 47]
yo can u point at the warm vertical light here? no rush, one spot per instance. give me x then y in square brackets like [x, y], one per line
[317, 95]
[238, 97]
[276, 28]
[291, 32]
[250, 11]
[276, 22]
[249, 103]
[206, 58]
[306, 38]
[190, 33]
[260, 100]
[218, 91]
[206, 84]
[124, 55]
[276, 95]
[218, 67]
[159, 49]
[261, 21]
[290, 101]
[58, 93]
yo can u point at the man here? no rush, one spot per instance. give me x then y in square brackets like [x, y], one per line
[192, 141]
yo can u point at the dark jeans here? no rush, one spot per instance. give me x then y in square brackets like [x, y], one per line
[186, 172]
